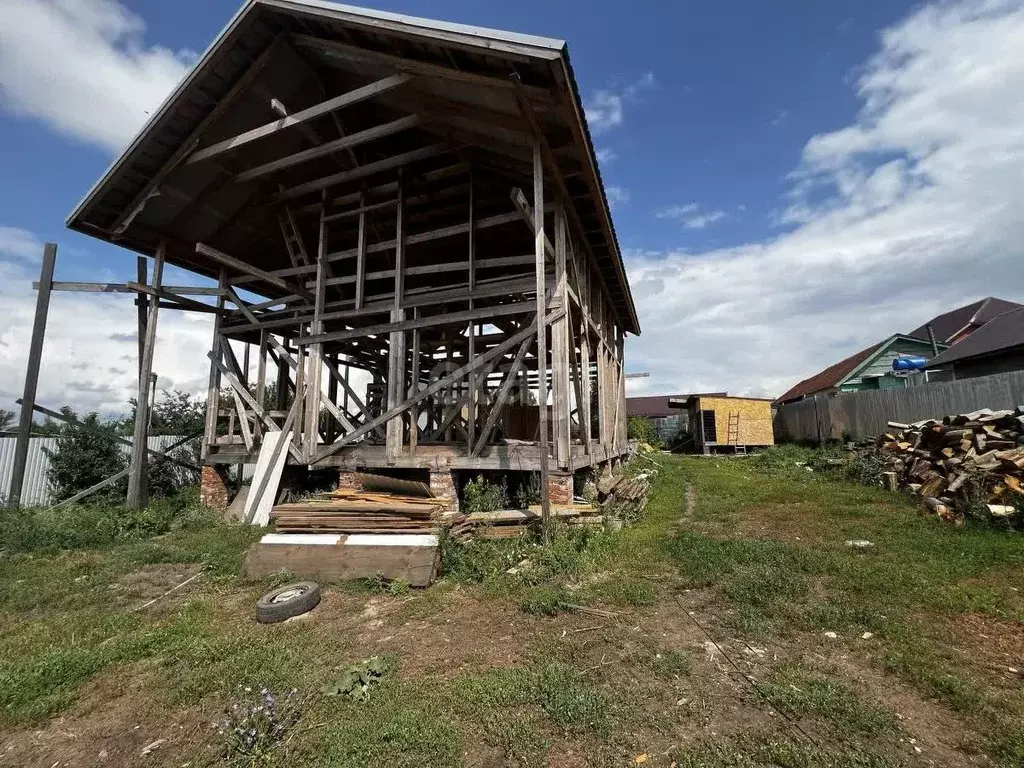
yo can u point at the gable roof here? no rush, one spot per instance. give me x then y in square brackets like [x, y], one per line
[1003, 332]
[949, 325]
[303, 53]
[831, 376]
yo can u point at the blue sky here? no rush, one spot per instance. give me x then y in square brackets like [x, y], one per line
[791, 181]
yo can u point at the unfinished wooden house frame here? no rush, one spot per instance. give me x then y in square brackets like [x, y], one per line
[408, 229]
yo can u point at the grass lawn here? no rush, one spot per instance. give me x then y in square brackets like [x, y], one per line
[743, 631]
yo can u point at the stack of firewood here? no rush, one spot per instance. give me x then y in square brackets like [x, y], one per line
[959, 462]
[625, 495]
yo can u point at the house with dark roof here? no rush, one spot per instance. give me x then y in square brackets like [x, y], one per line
[995, 347]
[871, 368]
[955, 326]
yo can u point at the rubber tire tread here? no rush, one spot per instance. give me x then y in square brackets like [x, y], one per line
[268, 612]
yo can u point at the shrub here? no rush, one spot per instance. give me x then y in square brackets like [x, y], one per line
[480, 495]
[641, 428]
[86, 454]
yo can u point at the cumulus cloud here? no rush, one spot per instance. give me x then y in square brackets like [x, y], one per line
[83, 68]
[606, 155]
[606, 108]
[616, 195]
[911, 209]
[690, 215]
[79, 339]
[18, 243]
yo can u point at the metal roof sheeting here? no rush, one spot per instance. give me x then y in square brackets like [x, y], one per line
[36, 489]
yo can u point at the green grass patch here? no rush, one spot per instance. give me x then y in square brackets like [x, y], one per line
[795, 690]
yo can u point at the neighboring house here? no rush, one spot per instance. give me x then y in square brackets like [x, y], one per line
[870, 368]
[730, 423]
[668, 420]
[995, 347]
[953, 327]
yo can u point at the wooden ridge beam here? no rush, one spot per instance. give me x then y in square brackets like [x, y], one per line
[300, 117]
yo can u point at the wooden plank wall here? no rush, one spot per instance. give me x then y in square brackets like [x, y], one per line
[865, 414]
[755, 426]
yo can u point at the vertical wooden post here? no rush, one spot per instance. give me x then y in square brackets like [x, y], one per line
[316, 363]
[261, 377]
[35, 353]
[142, 304]
[213, 385]
[560, 349]
[414, 387]
[332, 395]
[620, 393]
[473, 381]
[137, 495]
[361, 254]
[542, 335]
[396, 349]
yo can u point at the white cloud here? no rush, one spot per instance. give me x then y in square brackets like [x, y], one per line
[912, 209]
[616, 195]
[689, 216]
[606, 108]
[606, 155]
[17, 243]
[90, 355]
[83, 68]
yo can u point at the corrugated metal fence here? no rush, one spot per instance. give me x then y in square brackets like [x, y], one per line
[865, 414]
[36, 489]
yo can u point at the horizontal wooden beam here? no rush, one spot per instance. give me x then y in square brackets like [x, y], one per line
[448, 318]
[237, 264]
[302, 116]
[437, 386]
[330, 147]
[387, 164]
[185, 290]
[181, 301]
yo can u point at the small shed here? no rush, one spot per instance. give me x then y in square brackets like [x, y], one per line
[722, 424]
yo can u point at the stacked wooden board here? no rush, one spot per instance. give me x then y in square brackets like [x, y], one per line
[960, 461]
[509, 523]
[354, 511]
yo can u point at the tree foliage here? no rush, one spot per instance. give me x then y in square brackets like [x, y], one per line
[86, 453]
[6, 420]
[641, 428]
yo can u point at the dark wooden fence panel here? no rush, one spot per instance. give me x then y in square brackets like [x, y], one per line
[865, 414]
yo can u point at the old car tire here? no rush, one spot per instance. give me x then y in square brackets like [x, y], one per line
[287, 601]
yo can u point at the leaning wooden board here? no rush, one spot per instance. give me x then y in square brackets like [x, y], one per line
[410, 557]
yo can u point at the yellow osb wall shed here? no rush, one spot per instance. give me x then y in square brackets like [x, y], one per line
[755, 419]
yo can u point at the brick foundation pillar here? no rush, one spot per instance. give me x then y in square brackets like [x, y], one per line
[213, 487]
[560, 487]
[348, 480]
[445, 489]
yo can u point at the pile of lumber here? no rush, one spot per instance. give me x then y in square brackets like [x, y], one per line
[509, 523]
[625, 495]
[353, 511]
[959, 462]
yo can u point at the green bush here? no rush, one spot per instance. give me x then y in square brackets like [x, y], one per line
[86, 454]
[481, 495]
[641, 428]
